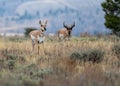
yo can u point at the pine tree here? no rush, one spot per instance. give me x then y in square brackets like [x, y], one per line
[112, 15]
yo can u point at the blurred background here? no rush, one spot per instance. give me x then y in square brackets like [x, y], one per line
[16, 15]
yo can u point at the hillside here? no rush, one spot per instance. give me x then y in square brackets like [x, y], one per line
[87, 14]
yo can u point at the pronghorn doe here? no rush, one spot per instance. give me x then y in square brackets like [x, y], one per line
[65, 33]
[37, 36]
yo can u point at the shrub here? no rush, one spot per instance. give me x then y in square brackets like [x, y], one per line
[116, 50]
[111, 38]
[11, 57]
[93, 55]
[77, 55]
[115, 38]
[11, 64]
[35, 72]
[15, 57]
[15, 39]
[41, 73]
[2, 64]
[29, 82]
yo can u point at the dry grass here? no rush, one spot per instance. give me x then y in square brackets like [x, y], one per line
[55, 68]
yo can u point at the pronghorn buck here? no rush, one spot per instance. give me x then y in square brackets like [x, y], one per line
[37, 36]
[65, 33]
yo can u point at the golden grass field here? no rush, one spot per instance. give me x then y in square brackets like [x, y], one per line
[18, 67]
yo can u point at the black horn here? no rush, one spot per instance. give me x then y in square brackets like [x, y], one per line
[64, 25]
[73, 25]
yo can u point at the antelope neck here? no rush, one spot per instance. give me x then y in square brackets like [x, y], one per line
[41, 30]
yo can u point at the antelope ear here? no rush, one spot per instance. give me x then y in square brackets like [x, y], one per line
[40, 22]
[46, 21]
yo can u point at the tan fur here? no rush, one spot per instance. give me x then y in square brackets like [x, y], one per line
[36, 35]
[65, 32]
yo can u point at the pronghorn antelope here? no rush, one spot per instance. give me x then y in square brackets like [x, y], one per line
[65, 32]
[37, 36]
